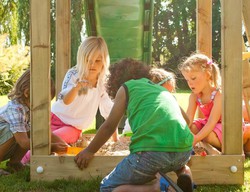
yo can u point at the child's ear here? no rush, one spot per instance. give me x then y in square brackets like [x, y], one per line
[209, 75]
[26, 93]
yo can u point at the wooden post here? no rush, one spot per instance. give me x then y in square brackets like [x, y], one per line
[204, 31]
[204, 27]
[63, 43]
[40, 77]
[232, 76]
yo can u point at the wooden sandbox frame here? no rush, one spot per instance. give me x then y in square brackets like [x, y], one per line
[206, 170]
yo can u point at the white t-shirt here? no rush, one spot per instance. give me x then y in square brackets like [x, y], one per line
[82, 111]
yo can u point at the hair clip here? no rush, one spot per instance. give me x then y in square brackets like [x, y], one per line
[209, 62]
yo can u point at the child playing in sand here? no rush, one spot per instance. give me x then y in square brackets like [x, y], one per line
[203, 78]
[161, 140]
[164, 78]
[15, 126]
[83, 92]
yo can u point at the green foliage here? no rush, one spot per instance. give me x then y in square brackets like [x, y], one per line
[24, 21]
[174, 33]
[76, 27]
[8, 20]
[216, 22]
[13, 61]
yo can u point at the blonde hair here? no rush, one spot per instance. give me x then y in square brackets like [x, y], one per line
[160, 76]
[198, 61]
[22, 84]
[89, 49]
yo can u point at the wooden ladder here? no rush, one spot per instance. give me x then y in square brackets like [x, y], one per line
[246, 57]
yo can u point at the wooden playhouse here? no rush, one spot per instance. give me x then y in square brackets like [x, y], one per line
[212, 169]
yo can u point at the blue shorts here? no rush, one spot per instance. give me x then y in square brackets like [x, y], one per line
[140, 168]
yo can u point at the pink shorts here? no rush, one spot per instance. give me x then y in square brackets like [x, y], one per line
[68, 133]
[200, 123]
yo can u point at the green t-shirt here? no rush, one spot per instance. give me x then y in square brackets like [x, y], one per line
[155, 119]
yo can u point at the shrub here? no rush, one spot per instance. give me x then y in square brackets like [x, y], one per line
[13, 61]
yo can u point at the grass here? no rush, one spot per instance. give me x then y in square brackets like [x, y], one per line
[20, 182]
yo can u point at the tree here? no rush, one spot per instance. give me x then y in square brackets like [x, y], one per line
[8, 20]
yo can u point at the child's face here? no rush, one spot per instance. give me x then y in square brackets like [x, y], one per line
[27, 97]
[96, 66]
[197, 80]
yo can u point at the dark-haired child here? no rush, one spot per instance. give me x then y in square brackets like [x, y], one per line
[161, 140]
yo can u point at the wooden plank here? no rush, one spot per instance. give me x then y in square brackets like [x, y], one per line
[204, 31]
[204, 27]
[63, 41]
[231, 29]
[40, 77]
[205, 170]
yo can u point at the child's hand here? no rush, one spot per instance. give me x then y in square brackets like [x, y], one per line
[83, 158]
[59, 147]
[195, 140]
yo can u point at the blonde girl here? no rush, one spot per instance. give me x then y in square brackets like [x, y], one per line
[83, 91]
[204, 80]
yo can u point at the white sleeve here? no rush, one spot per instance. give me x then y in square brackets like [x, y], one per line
[106, 105]
[68, 82]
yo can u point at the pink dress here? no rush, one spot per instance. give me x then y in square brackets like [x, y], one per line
[206, 110]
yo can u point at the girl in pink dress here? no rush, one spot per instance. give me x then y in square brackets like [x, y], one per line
[203, 78]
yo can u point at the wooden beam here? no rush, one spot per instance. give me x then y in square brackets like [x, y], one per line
[205, 170]
[40, 77]
[204, 27]
[231, 13]
[63, 42]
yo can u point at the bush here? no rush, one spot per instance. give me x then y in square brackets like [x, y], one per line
[13, 61]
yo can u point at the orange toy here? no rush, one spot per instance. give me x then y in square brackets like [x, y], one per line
[73, 150]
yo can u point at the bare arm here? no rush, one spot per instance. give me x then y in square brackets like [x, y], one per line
[57, 144]
[105, 131]
[192, 106]
[70, 96]
[22, 139]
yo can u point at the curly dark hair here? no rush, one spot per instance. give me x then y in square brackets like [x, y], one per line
[124, 70]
